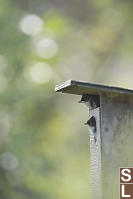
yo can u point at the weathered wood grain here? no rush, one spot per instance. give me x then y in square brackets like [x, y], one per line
[117, 140]
[95, 150]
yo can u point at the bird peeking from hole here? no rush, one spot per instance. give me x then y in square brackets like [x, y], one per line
[91, 101]
[91, 123]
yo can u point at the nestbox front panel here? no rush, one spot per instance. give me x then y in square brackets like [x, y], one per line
[95, 150]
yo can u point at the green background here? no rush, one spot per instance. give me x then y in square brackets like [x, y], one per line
[44, 145]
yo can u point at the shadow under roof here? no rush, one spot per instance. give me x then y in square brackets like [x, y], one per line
[79, 88]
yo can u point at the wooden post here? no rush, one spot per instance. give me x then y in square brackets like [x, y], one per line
[113, 146]
[95, 149]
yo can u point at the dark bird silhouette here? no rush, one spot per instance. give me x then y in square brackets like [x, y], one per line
[91, 123]
[91, 101]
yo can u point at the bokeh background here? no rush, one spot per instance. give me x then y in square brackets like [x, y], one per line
[44, 149]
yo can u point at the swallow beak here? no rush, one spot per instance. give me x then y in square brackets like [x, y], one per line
[80, 101]
[85, 123]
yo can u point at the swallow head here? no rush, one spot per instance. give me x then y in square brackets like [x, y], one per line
[84, 98]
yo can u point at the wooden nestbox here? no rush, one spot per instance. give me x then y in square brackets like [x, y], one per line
[111, 145]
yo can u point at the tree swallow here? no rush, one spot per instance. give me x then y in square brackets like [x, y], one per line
[91, 123]
[91, 101]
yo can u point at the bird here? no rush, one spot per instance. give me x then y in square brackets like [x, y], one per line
[91, 123]
[90, 101]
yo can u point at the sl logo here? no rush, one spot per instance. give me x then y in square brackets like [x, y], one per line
[126, 183]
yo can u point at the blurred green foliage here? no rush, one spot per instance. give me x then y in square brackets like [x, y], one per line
[44, 151]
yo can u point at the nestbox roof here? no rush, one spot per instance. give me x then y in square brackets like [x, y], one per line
[79, 88]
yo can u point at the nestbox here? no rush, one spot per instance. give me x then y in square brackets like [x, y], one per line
[110, 123]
